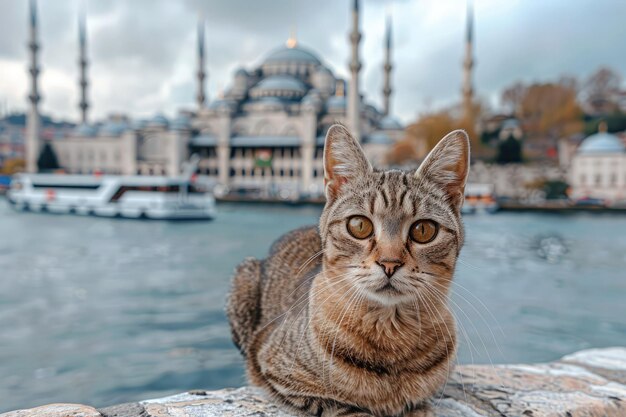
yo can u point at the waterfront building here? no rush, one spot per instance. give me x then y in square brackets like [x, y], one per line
[266, 131]
[598, 168]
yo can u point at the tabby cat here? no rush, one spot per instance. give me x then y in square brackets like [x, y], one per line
[351, 319]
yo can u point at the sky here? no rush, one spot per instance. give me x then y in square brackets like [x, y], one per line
[142, 52]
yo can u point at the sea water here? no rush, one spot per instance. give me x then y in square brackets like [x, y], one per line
[105, 311]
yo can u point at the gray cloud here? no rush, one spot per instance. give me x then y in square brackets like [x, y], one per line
[142, 51]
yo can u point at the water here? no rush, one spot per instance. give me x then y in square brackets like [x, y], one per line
[105, 311]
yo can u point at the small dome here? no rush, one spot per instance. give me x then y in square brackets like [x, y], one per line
[241, 72]
[601, 142]
[266, 104]
[223, 105]
[181, 122]
[312, 100]
[279, 86]
[336, 103]
[139, 124]
[113, 128]
[296, 54]
[324, 80]
[390, 123]
[85, 130]
[159, 121]
[379, 138]
[510, 124]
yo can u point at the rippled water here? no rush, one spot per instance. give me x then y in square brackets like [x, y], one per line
[106, 311]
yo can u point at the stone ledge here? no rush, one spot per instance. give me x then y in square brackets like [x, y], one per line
[587, 383]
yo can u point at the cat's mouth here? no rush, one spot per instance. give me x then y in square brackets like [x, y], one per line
[388, 288]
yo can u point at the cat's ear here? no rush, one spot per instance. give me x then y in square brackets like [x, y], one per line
[344, 160]
[447, 166]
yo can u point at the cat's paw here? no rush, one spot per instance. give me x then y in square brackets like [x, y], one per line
[424, 411]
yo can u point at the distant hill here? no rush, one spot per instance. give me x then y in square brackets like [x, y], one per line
[19, 119]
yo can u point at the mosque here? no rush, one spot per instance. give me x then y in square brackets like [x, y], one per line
[598, 168]
[264, 134]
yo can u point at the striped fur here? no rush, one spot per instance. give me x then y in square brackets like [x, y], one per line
[319, 327]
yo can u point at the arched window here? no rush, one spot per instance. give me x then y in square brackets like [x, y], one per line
[290, 130]
[264, 128]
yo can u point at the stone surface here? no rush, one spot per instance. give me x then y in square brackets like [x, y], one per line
[56, 410]
[589, 383]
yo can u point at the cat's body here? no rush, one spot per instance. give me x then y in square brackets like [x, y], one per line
[322, 329]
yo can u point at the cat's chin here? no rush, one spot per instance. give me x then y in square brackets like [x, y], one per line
[388, 296]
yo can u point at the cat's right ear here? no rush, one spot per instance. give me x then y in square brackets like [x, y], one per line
[447, 166]
[344, 160]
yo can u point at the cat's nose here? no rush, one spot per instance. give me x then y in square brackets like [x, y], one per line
[390, 266]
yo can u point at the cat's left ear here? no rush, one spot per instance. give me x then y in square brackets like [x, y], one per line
[344, 160]
[447, 166]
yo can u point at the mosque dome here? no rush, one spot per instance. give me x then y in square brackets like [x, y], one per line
[85, 130]
[295, 54]
[113, 128]
[139, 124]
[323, 80]
[379, 138]
[279, 86]
[336, 104]
[159, 120]
[265, 104]
[312, 100]
[601, 142]
[223, 105]
[181, 122]
[241, 72]
[390, 123]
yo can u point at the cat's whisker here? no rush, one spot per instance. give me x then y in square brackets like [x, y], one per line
[480, 338]
[463, 330]
[307, 298]
[306, 328]
[303, 298]
[435, 284]
[445, 344]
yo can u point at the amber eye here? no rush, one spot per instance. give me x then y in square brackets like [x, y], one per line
[360, 227]
[424, 231]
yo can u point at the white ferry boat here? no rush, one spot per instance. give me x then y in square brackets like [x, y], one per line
[136, 197]
[480, 198]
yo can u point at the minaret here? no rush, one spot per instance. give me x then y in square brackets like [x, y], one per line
[355, 66]
[33, 138]
[201, 97]
[82, 62]
[387, 67]
[468, 63]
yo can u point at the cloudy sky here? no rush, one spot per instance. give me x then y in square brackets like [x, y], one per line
[143, 62]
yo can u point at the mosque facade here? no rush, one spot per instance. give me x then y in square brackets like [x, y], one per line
[598, 168]
[264, 134]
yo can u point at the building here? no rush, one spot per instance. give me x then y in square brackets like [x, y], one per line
[598, 168]
[268, 129]
[266, 132]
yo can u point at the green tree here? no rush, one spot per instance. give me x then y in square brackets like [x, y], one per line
[47, 159]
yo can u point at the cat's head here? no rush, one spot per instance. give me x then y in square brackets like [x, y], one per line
[393, 235]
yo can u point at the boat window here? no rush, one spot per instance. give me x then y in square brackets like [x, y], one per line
[68, 186]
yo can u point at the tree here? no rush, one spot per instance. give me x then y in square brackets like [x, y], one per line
[13, 166]
[404, 151]
[512, 97]
[509, 151]
[600, 90]
[47, 159]
[550, 110]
